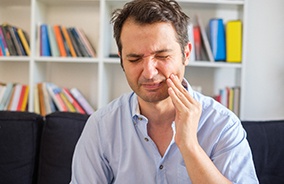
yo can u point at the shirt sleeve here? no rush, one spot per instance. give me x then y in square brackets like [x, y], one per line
[232, 154]
[89, 165]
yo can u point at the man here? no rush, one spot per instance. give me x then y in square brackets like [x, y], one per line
[163, 132]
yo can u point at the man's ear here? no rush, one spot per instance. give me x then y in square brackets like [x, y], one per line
[187, 52]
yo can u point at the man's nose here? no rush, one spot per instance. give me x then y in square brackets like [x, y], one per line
[149, 68]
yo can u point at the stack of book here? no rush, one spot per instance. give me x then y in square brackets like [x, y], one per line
[60, 41]
[223, 43]
[14, 96]
[14, 41]
[230, 98]
[48, 98]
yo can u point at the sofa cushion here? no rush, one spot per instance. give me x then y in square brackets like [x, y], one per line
[60, 134]
[266, 139]
[19, 144]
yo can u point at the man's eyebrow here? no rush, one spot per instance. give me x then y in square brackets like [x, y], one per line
[155, 52]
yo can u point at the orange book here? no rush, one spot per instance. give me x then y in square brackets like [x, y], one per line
[59, 40]
[22, 93]
[68, 40]
[25, 99]
[41, 99]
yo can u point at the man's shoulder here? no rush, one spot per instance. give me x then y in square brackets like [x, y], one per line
[120, 105]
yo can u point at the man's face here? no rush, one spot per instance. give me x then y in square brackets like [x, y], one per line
[150, 53]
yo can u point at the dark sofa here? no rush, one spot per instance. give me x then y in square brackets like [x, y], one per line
[36, 149]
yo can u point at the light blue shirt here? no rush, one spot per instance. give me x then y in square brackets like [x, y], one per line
[115, 147]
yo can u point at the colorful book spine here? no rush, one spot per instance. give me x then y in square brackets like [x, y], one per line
[217, 39]
[44, 38]
[234, 41]
[59, 40]
[68, 41]
[205, 39]
[82, 101]
[52, 40]
[24, 40]
[73, 101]
[4, 47]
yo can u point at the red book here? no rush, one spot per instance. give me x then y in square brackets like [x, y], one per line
[197, 42]
[22, 94]
[73, 101]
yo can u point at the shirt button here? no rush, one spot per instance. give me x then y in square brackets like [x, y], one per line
[161, 167]
[146, 139]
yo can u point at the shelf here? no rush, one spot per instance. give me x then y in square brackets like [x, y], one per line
[235, 2]
[66, 60]
[215, 64]
[15, 59]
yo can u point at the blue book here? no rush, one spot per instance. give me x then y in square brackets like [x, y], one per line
[45, 45]
[217, 39]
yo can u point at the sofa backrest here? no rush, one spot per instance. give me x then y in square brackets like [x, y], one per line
[19, 144]
[266, 139]
[60, 134]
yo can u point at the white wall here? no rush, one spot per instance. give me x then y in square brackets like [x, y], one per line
[264, 72]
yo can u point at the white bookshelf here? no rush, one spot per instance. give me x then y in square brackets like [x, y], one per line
[101, 79]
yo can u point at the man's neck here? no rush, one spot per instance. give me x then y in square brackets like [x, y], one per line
[162, 112]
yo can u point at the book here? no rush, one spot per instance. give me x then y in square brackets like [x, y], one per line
[205, 40]
[52, 41]
[68, 41]
[59, 40]
[217, 39]
[13, 104]
[90, 49]
[197, 42]
[41, 99]
[190, 30]
[54, 91]
[14, 39]
[79, 42]
[44, 38]
[24, 39]
[82, 100]
[74, 43]
[2, 90]
[236, 106]
[234, 41]
[23, 101]
[66, 46]
[73, 101]
[3, 43]
[36, 100]
[9, 41]
[68, 104]
[19, 43]
[6, 96]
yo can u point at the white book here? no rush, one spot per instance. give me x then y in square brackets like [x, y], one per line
[191, 39]
[2, 91]
[16, 97]
[205, 39]
[82, 101]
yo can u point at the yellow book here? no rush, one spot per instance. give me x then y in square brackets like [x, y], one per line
[234, 41]
[24, 41]
[70, 107]
[25, 98]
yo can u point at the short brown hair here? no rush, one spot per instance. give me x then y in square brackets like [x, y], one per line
[152, 11]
